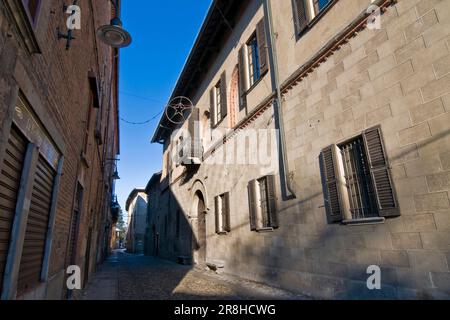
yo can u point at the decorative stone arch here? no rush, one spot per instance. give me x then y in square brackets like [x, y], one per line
[198, 216]
[198, 187]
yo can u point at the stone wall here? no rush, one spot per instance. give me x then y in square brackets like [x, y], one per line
[396, 77]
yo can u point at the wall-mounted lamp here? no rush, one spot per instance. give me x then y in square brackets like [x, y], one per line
[115, 175]
[113, 34]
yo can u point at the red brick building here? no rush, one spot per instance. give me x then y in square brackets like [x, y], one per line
[59, 131]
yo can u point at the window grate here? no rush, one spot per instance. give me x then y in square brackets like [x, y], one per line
[358, 180]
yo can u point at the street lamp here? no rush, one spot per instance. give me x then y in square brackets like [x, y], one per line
[115, 175]
[113, 34]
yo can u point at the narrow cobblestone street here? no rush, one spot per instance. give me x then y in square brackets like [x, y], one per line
[136, 277]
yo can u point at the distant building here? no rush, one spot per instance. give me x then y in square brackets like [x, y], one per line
[154, 209]
[136, 206]
[357, 173]
[169, 234]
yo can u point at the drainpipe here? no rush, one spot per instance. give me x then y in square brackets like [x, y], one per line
[287, 190]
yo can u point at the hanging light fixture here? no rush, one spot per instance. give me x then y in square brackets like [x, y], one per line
[113, 34]
[115, 175]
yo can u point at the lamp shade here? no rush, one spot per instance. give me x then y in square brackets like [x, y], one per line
[114, 35]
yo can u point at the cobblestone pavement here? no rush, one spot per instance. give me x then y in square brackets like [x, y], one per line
[132, 277]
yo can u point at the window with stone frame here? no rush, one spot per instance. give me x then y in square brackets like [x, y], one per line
[263, 204]
[222, 213]
[306, 10]
[219, 102]
[217, 107]
[356, 180]
[254, 67]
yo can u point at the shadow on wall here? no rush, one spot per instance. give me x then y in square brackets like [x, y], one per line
[305, 255]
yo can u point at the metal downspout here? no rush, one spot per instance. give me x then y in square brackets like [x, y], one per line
[287, 190]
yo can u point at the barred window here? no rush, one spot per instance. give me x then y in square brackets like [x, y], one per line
[357, 181]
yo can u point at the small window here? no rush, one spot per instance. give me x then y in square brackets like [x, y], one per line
[218, 106]
[222, 204]
[306, 10]
[262, 202]
[254, 66]
[357, 181]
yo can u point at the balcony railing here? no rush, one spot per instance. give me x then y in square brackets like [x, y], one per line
[191, 152]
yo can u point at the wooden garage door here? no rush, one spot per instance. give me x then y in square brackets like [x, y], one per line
[9, 188]
[36, 231]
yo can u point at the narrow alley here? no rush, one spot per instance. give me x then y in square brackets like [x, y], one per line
[136, 277]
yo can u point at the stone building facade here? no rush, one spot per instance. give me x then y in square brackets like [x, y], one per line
[358, 173]
[169, 234]
[136, 207]
[59, 126]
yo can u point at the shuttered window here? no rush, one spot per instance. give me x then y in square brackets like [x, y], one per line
[219, 102]
[257, 54]
[307, 10]
[263, 203]
[222, 213]
[356, 179]
[37, 226]
[9, 187]
[242, 78]
[301, 16]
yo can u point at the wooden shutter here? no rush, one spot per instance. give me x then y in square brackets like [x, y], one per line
[212, 106]
[37, 225]
[253, 204]
[226, 204]
[262, 46]
[217, 213]
[300, 15]
[194, 131]
[379, 168]
[223, 95]
[330, 186]
[242, 79]
[9, 187]
[272, 202]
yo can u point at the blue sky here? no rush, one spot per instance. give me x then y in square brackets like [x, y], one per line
[163, 33]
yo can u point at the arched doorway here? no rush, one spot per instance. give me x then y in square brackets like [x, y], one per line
[201, 229]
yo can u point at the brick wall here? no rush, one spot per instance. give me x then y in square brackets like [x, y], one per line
[56, 82]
